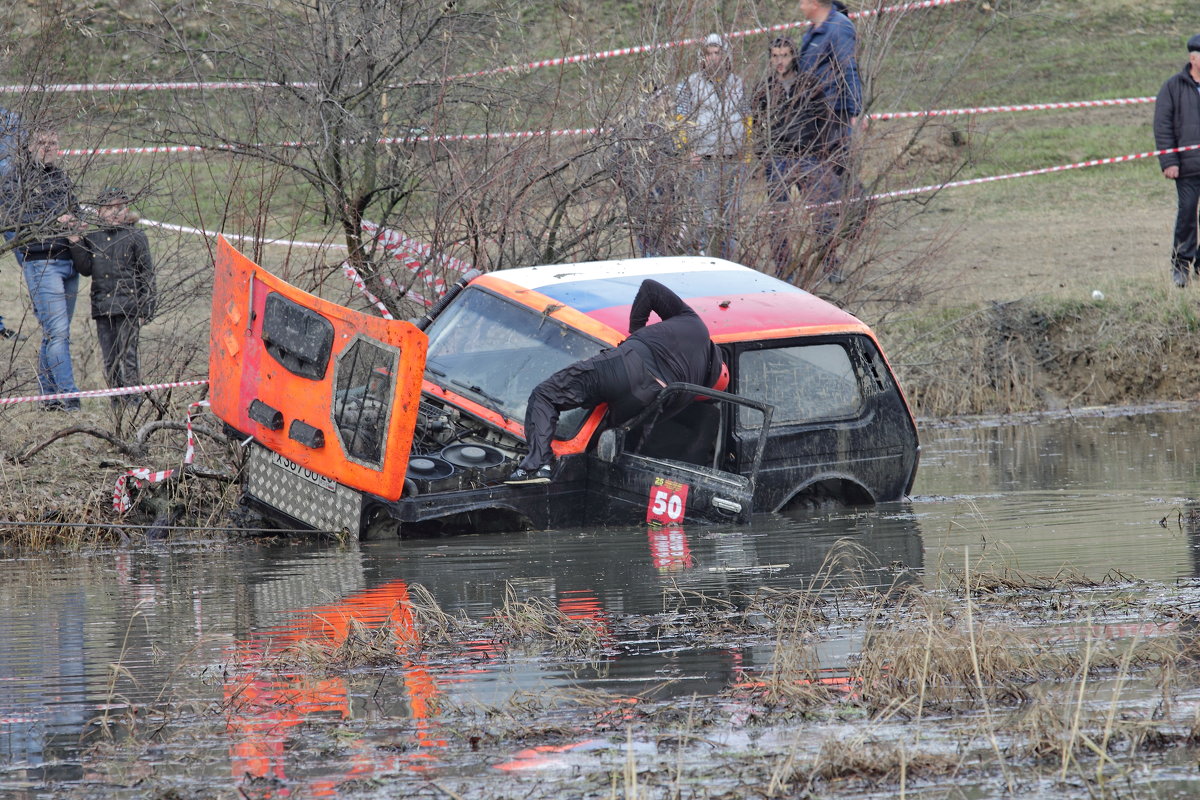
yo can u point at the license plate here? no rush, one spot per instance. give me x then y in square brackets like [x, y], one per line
[311, 498]
[315, 478]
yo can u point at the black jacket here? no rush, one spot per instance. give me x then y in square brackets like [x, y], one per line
[118, 261]
[679, 345]
[34, 196]
[791, 119]
[1177, 123]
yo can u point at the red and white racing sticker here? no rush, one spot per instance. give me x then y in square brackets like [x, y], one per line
[668, 501]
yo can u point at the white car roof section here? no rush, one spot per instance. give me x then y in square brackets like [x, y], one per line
[537, 277]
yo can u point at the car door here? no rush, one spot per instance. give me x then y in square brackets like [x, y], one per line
[667, 469]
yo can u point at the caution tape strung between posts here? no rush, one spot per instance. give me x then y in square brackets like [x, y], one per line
[394, 243]
[1064, 105]
[143, 476]
[649, 48]
[351, 273]
[550, 62]
[1095, 162]
[123, 390]
[503, 135]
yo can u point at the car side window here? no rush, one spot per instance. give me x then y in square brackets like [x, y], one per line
[805, 383]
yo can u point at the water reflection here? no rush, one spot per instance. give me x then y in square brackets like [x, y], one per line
[209, 623]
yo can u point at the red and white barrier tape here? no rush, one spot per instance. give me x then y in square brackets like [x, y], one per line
[387, 237]
[474, 137]
[142, 476]
[149, 387]
[550, 62]
[241, 237]
[649, 48]
[351, 273]
[155, 86]
[952, 112]
[1095, 162]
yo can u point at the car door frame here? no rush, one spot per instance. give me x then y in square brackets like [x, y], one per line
[618, 477]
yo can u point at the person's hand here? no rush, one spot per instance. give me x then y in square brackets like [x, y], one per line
[695, 159]
[1171, 173]
[860, 124]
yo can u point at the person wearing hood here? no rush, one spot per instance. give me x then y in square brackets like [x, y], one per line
[117, 259]
[1177, 124]
[712, 105]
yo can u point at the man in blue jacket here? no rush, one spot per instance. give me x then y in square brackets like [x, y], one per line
[1177, 124]
[827, 55]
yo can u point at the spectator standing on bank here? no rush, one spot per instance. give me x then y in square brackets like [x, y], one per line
[645, 163]
[791, 121]
[712, 104]
[41, 206]
[1177, 124]
[10, 126]
[827, 53]
[117, 258]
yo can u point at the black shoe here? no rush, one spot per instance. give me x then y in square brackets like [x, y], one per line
[1180, 276]
[9, 333]
[521, 476]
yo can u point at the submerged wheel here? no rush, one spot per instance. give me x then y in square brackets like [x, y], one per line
[379, 525]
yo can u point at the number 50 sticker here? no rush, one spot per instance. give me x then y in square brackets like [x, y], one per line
[668, 501]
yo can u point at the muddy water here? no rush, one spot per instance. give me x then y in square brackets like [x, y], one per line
[164, 647]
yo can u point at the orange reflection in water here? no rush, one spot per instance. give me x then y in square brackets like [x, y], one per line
[264, 704]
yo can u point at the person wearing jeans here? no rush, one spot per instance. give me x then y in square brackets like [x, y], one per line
[53, 286]
[40, 202]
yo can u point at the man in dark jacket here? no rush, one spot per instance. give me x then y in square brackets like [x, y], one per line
[39, 201]
[791, 125]
[827, 54]
[117, 258]
[627, 377]
[1177, 124]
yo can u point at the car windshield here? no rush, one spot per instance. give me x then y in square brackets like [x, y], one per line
[494, 352]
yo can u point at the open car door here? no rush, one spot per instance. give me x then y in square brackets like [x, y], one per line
[327, 396]
[667, 470]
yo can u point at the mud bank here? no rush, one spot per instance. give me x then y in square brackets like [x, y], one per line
[1048, 354]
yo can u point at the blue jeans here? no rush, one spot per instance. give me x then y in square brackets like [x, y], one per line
[8, 237]
[53, 285]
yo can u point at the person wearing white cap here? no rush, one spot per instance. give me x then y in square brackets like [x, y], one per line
[1177, 124]
[713, 106]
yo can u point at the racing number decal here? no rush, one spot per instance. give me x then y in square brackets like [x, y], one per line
[668, 501]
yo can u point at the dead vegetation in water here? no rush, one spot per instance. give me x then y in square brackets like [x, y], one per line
[944, 688]
[58, 473]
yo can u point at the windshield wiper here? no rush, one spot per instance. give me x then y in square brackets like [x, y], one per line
[493, 402]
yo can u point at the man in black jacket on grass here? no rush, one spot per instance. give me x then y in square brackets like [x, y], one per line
[117, 258]
[1177, 124]
[627, 377]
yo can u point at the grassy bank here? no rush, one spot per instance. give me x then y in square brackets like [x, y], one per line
[1133, 344]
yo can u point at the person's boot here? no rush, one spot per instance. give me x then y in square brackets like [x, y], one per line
[1179, 273]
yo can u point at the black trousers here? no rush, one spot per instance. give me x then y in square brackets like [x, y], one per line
[618, 377]
[119, 348]
[1183, 250]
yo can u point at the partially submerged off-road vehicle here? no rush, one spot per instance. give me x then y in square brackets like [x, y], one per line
[369, 425]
